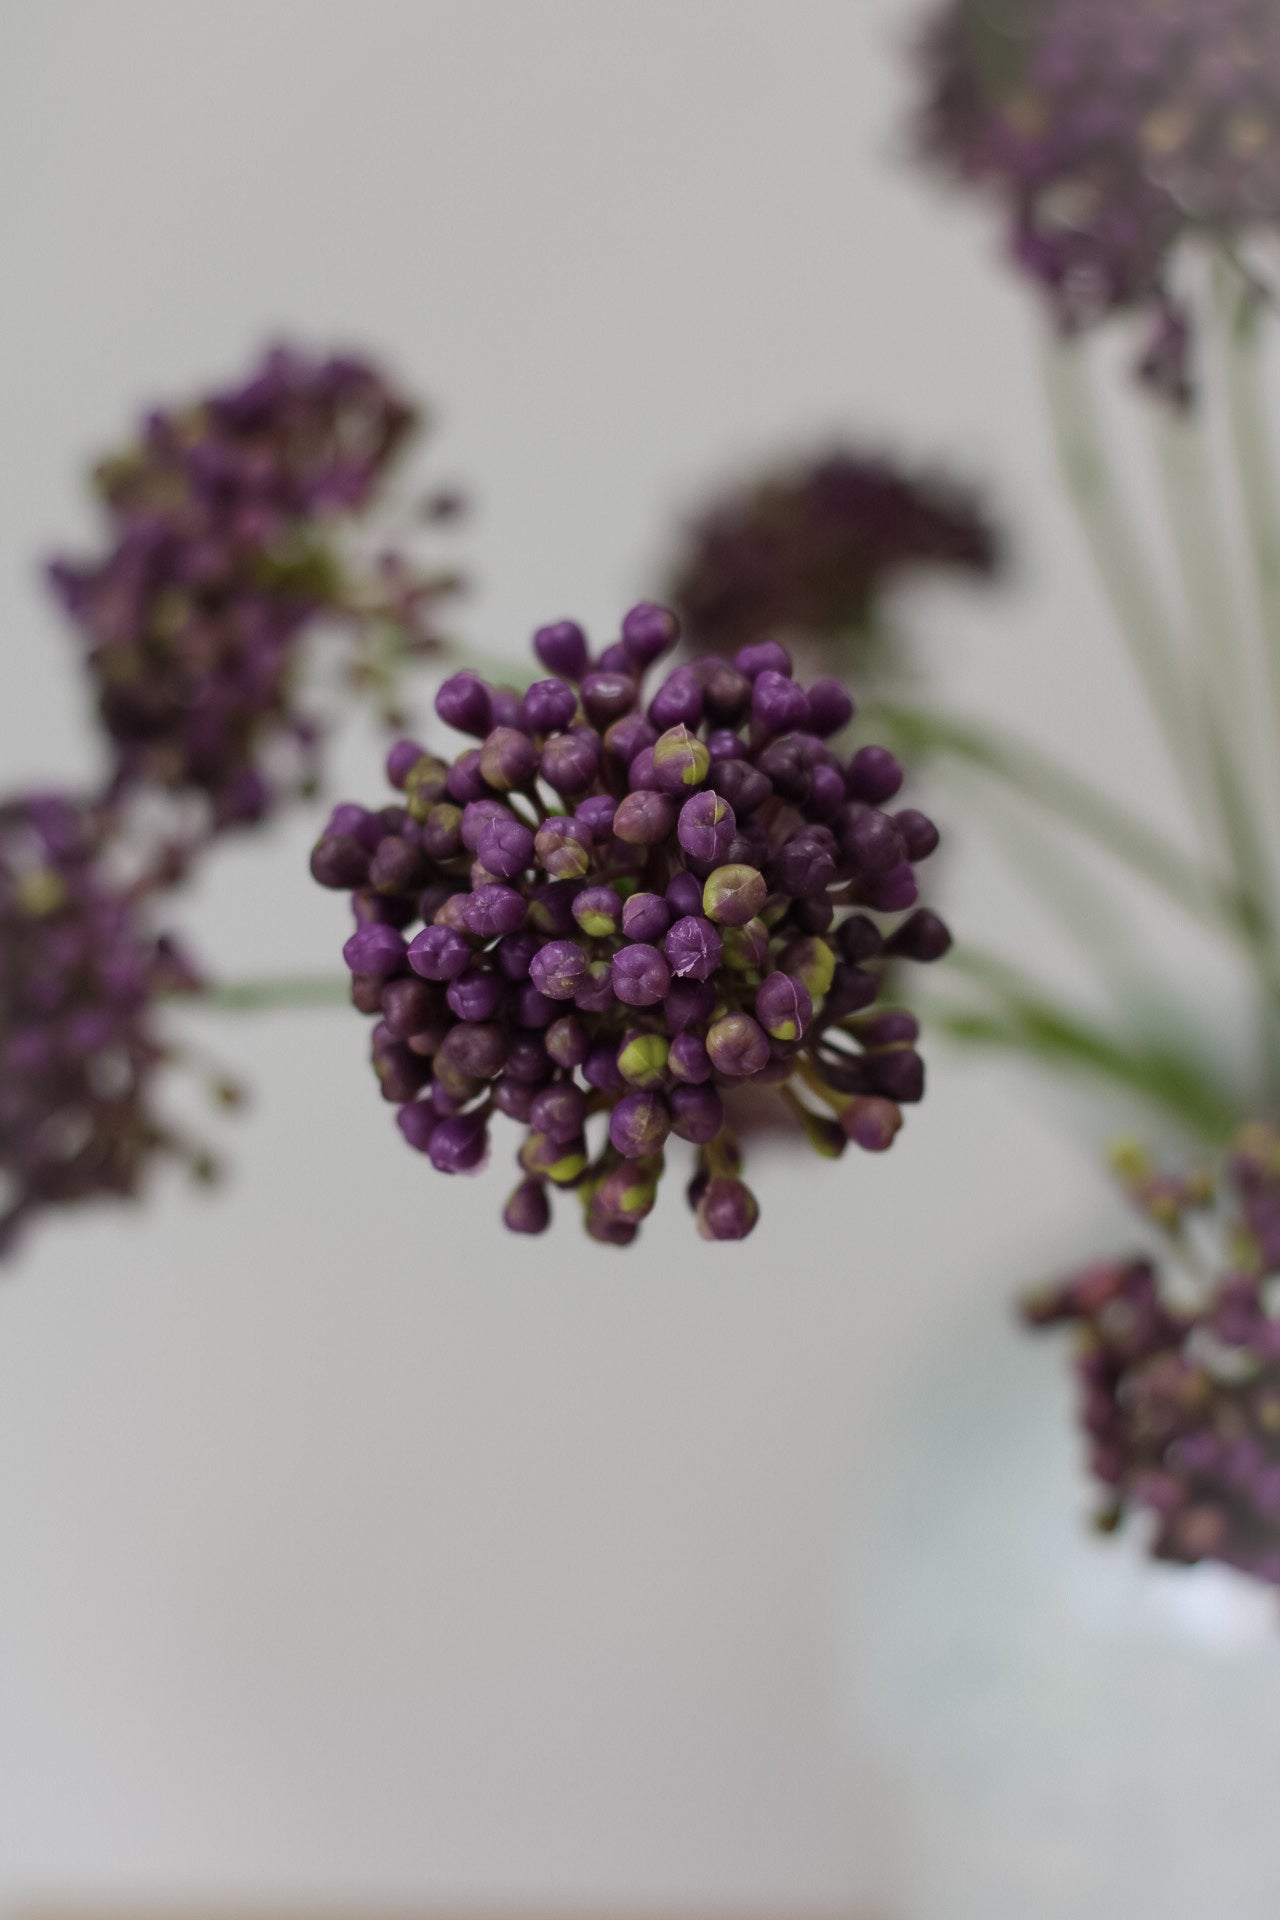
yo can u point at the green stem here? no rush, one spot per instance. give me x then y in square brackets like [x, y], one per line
[1259, 494]
[265, 996]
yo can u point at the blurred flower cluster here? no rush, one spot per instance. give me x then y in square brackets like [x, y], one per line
[1111, 133]
[628, 908]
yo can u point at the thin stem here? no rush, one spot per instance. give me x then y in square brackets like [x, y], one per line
[265, 996]
[1259, 493]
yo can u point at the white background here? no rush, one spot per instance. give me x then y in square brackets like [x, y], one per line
[346, 1544]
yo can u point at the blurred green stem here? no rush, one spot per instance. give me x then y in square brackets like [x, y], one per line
[265, 996]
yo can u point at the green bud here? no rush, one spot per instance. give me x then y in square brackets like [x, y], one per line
[552, 1160]
[813, 961]
[40, 891]
[734, 895]
[642, 1059]
[424, 784]
[746, 948]
[680, 758]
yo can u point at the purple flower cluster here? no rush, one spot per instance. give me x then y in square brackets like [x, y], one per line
[805, 551]
[223, 525]
[1111, 132]
[79, 974]
[619, 907]
[1179, 1379]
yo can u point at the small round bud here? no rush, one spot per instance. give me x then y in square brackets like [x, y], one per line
[475, 995]
[565, 1041]
[464, 702]
[607, 696]
[678, 701]
[746, 949]
[764, 655]
[684, 895]
[528, 1210]
[439, 953]
[458, 1143]
[733, 895]
[688, 1060]
[375, 949]
[645, 916]
[598, 911]
[568, 761]
[784, 1007]
[727, 1210]
[737, 1046]
[505, 847]
[811, 961]
[640, 975]
[562, 649]
[923, 937]
[680, 760]
[417, 1122]
[548, 706]
[874, 775]
[563, 847]
[778, 705]
[648, 632]
[559, 1111]
[830, 708]
[919, 835]
[706, 827]
[493, 910]
[697, 1114]
[871, 1122]
[639, 1124]
[693, 948]
[508, 759]
[401, 759]
[558, 969]
[644, 818]
[642, 1059]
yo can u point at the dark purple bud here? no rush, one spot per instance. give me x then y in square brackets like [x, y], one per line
[366, 992]
[535, 1010]
[557, 970]
[892, 1028]
[680, 760]
[475, 995]
[615, 659]
[852, 988]
[563, 1161]
[826, 793]
[600, 1068]
[465, 703]
[891, 892]
[505, 847]
[640, 976]
[401, 759]
[562, 649]
[417, 1122]
[513, 1097]
[648, 632]
[476, 1049]
[684, 895]
[466, 782]
[859, 938]
[871, 1123]
[874, 775]
[625, 1196]
[919, 835]
[804, 866]
[479, 814]
[742, 785]
[551, 907]
[458, 1144]
[644, 819]
[689, 1003]
[559, 1111]
[514, 953]
[923, 937]
[508, 759]
[898, 1075]
[338, 860]
[527, 1060]
[641, 772]
[727, 1210]
[831, 707]
[598, 911]
[765, 656]
[778, 705]
[726, 697]
[628, 737]
[697, 1114]
[724, 744]
[375, 949]
[427, 781]
[569, 761]
[706, 827]
[678, 700]
[528, 1210]
[733, 895]
[814, 915]
[870, 839]
[738, 1046]
[639, 1124]
[609, 1229]
[563, 847]
[408, 1006]
[645, 916]
[787, 767]
[596, 815]
[688, 1060]
[506, 707]
[442, 830]
[784, 1007]
[493, 911]
[548, 705]
[566, 1041]
[693, 948]
[607, 696]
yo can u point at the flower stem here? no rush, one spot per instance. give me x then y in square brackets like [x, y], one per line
[265, 996]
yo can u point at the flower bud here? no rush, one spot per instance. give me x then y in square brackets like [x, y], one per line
[727, 1210]
[375, 949]
[645, 916]
[528, 1210]
[562, 649]
[737, 1046]
[639, 1124]
[508, 759]
[558, 969]
[548, 706]
[733, 895]
[706, 827]
[464, 702]
[693, 948]
[644, 818]
[697, 1113]
[598, 911]
[642, 1059]
[784, 1007]
[641, 976]
[648, 632]
[680, 760]
[563, 846]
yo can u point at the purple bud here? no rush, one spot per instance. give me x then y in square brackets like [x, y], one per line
[505, 847]
[466, 782]
[891, 892]
[639, 1124]
[600, 1069]
[899, 1075]
[641, 772]
[923, 937]
[804, 866]
[551, 907]
[784, 1007]
[417, 1122]
[562, 649]
[643, 819]
[477, 1049]
[514, 953]
[852, 989]
[742, 785]
[338, 860]
[726, 696]
[859, 938]
[535, 1010]
[563, 847]
[684, 895]
[724, 744]
[764, 656]
[871, 1122]
[596, 815]
[628, 737]
[375, 949]
[680, 760]
[648, 632]
[607, 696]
[688, 1059]
[569, 761]
[871, 839]
[479, 814]
[706, 827]
[408, 1005]
[874, 775]
[919, 835]
[401, 759]
[557, 970]
[678, 700]
[688, 1004]
[508, 758]
[645, 916]
[566, 1041]
[458, 1144]
[505, 702]
[733, 895]
[598, 911]
[738, 1046]
[614, 659]
[640, 976]
[727, 1210]
[528, 1210]
[788, 769]
[697, 1114]
[559, 1111]
[464, 702]
[831, 708]
[527, 1060]
[778, 705]
[693, 948]
[746, 949]
[475, 995]
[494, 910]
[442, 830]
[548, 705]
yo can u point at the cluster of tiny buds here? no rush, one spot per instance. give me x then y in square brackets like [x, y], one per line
[615, 911]
[1178, 1364]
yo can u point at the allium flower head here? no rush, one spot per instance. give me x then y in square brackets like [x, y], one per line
[1112, 130]
[1178, 1365]
[624, 905]
[79, 974]
[225, 524]
[804, 551]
